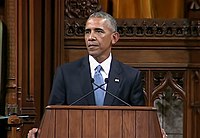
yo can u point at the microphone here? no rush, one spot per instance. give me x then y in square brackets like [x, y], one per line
[106, 81]
[82, 97]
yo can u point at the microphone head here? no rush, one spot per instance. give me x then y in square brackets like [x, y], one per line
[106, 80]
[92, 80]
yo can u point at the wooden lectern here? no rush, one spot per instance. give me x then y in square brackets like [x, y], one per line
[100, 122]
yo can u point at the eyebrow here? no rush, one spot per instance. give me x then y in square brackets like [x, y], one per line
[96, 29]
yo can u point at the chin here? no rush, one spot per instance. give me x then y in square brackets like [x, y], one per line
[92, 53]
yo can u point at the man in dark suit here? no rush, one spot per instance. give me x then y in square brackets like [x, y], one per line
[73, 80]
[74, 83]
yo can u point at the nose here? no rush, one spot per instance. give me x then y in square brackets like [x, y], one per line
[92, 37]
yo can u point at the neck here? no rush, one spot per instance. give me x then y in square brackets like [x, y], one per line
[101, 59]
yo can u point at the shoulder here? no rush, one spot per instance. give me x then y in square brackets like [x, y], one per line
[75, 64]
[125, 67]
[71, 67]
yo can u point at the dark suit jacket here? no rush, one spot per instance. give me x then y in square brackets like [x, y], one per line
[73, 80]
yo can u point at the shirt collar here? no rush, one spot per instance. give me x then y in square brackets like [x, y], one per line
[105, 64]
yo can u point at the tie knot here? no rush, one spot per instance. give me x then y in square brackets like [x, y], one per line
[98, 68]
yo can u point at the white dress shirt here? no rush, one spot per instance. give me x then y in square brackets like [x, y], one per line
[105, 66]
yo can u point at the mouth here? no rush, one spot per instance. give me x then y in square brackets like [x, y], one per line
[92, 48]
[93, 45]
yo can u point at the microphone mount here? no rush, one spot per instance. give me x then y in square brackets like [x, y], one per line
[106, 81]
[90, 92]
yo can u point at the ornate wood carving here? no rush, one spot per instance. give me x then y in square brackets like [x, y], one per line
[81, 8]
[196, 76]
[174, 79]
[164, 29]
[194, 5]
[160, 80]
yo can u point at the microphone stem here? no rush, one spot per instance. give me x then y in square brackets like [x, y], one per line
[112, 94]
[79, 99]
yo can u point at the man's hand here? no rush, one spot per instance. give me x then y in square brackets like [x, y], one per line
[163, 133]
[32, 133]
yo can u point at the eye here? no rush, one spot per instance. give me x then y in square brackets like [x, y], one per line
[99, 30]
[87, 31]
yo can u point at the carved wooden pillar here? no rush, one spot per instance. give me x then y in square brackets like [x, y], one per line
[11, 24]
[23, 22]
[14, 122]
[195, 98]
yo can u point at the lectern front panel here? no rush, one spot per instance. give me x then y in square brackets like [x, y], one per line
[99, 122]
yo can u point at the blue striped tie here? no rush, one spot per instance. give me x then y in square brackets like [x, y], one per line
[98, 80]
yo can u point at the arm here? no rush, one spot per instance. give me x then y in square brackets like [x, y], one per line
[137, 94]
[58, 89]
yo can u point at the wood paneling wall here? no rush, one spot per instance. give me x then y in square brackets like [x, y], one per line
[41, 37]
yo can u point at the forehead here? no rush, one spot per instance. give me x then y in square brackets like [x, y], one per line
[96, 22]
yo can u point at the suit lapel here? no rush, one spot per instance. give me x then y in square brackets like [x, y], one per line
[114, 81]
[85, 80]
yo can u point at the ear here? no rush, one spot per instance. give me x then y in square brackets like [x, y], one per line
[115, 37]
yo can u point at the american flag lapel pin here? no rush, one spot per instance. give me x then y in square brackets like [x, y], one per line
[116, 80]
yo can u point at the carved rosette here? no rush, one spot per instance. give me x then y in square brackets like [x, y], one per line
[74, 29]
[81, 8]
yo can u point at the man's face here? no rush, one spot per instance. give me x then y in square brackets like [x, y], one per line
[99, 38]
